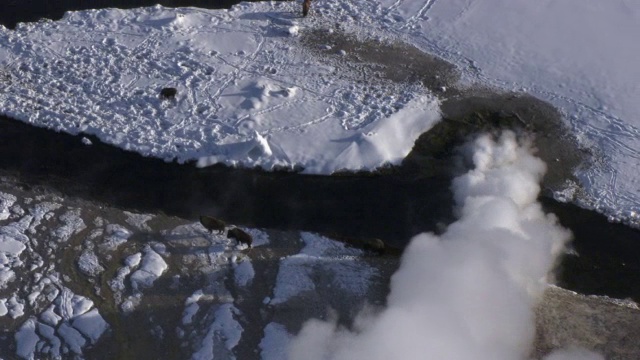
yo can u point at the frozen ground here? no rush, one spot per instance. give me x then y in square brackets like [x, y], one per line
[84, 281]
[249, 94]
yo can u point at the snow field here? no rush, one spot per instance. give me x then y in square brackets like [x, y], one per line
[248, 94]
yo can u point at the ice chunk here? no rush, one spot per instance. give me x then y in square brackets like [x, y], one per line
[91, 324]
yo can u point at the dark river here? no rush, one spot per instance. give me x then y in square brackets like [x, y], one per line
[392, 207]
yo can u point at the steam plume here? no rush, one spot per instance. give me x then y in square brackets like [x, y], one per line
[469, 293]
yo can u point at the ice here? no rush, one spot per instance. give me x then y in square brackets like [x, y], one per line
[138, 220]
[6, 202]
[189, 312]
[324, 256]
[151, 267]
[225, 330]
[81, 305]
[274, 344]
[72, 224]
[6, 276]
[15, 231]
[15, 306]
[3, 307]
[91, 324]
[10, 246]
[192, 307]
[41, 211]
[72, 338]
[66, 323]
[115, 235]
[133, 260]
[26, 339]
[243, 273]
[294, 277]
[48, 333]
[89, 264]
[50, 317]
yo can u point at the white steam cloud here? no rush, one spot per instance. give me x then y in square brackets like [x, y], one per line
[469, 293]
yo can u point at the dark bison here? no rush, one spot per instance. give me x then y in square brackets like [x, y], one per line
[168, 93]
[240, 235]
[305, 7]
[211, 223]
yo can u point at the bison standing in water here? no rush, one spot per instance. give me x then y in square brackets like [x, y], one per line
[240, 235]
[211, 224]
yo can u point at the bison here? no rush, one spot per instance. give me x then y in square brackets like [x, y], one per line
[211, 224]
[240, 235]
[168, 93]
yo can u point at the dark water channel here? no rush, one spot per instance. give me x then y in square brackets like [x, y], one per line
[393, 205]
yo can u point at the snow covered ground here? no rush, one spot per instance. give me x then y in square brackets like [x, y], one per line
[249, 94]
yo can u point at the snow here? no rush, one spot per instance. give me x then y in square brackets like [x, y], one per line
[298, 273]
[138, 220]
[133, 260]
[191, 307]
[10, 246]
[15, 306]
[72, 338]
[225, 329]
[6, 276]
[148, 265]
[26, 339]
[71, 224]
[89, 264]
[63, 325]
[3, 307]
[6, 202]
[50, 317]
[151, 267]
[91, 324]
[275, 342]
[580, 55]
[246, 96]
[251, 96]
[243, 273]
[115, 236]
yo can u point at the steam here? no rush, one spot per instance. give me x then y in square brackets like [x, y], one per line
[469, 293]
